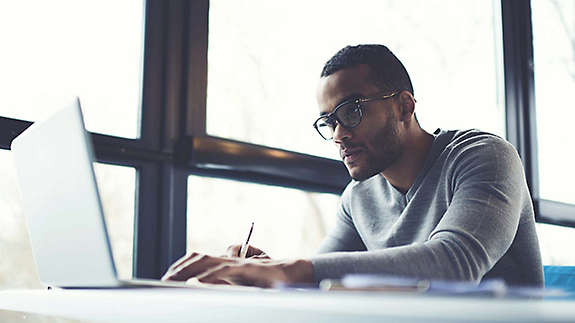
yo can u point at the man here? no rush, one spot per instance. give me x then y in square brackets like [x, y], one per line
[452, 205]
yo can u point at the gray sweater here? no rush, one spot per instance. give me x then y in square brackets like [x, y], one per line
[467, 216]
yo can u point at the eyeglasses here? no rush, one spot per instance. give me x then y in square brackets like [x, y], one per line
[347, 114]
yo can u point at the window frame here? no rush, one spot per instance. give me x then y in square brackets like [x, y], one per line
[521, 122]
[174, 144]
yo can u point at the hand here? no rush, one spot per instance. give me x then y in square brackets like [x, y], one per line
[192, 265]
[233, 251]
[265, 274]
[237, 271]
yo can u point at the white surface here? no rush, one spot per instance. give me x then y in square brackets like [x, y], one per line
[184, 305]
[53, 160]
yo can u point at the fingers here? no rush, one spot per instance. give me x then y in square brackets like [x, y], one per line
[174, 267]
[255, 252]
[237, 274]
[233, 251]
[195, 282]
[193, 265]
[181, 260]
[258, 274]
[263, 257]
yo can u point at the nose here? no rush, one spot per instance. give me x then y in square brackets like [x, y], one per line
[340, 134]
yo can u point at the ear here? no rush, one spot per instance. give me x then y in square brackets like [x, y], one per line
[406, 106]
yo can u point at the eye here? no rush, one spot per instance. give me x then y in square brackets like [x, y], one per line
[350, 110]
[349, 114]
[328, 122]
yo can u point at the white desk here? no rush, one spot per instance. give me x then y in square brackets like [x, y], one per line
[183, 305]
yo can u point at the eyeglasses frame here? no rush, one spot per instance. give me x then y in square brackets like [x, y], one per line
[358, 102]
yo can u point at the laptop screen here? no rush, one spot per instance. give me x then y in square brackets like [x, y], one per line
[61, 202]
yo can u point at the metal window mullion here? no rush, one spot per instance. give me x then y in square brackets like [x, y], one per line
[519, 87]
[558, 213]
[163, 185]
[173, 217]
[211, 155]
[147, 219]
[153, 75]
[10, 129]
[160, 228]
[196, 68]
[147, 222]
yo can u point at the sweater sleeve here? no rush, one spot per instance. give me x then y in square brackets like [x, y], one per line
[474, 233]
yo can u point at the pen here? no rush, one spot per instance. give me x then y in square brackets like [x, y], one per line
[244, 249]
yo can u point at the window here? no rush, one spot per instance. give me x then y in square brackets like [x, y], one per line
[66, 48]
[117, 187]
[554, 60]
[261, 68]
[220, 213]
[17, 268]
[53, 51]
[556, 244]
[264, 64]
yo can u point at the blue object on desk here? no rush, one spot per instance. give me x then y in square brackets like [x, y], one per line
[560, 277]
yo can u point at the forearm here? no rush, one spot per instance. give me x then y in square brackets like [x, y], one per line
[298, 271]
[444, 259]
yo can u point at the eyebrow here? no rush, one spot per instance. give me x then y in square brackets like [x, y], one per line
[350, 97]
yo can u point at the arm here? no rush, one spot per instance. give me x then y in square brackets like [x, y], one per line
[238, 271]
[474, 233]
[259, 269]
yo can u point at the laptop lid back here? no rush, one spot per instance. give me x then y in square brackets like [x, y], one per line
[61, 202]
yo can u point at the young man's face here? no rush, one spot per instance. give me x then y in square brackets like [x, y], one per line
[374, 144]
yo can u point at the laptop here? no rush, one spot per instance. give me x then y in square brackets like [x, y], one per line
[62, 205]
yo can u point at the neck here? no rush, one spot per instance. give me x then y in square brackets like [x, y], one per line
[404, 171]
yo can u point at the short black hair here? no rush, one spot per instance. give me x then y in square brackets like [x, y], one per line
[387, 71]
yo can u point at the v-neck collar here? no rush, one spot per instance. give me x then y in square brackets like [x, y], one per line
[440, 139]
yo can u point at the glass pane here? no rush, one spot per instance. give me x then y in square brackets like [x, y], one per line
[17, 268]
[288, 222]
[554, 58]
[556, 244]
[260, 74]
[55, 50]
[117, 186]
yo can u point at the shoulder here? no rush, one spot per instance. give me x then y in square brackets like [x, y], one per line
[465, 139]
[482, 156]
[478, 146]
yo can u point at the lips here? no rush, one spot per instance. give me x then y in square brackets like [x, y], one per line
[350, 155]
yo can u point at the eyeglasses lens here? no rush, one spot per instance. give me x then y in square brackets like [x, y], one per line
[348, 115]
[325, 126]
